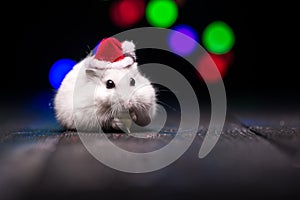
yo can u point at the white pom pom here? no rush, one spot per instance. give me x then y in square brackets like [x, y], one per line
[128, 47]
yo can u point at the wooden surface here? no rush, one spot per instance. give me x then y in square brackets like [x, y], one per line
[256, 157]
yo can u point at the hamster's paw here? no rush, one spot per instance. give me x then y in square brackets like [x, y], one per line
[119, 124]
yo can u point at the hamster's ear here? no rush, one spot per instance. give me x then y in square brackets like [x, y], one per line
[128, 48]
[91, 72]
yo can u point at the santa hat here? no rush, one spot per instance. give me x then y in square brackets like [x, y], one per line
[111, 53]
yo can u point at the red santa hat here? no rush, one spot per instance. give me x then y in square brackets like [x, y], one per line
[111, 53]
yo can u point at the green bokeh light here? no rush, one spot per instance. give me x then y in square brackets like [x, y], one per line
[218, 37]
[161, 13]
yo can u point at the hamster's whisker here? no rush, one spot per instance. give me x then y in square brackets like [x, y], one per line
[143, 105]
[89, 52]
[167, 105]
[160, 90]
[108, 115]
[86, 107]
[116, 108]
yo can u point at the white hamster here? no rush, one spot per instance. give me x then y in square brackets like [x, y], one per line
[101, 87]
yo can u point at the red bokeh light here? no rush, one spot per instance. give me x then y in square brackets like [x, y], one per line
[180, 2]
[208, 61]
[126, 13]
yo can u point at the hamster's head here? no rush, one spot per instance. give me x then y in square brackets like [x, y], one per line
[119, 84]
[123, 89]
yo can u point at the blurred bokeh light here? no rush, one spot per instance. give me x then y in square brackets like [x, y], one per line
[59, 70]
[126, 13]
[218, 37]
[161, 13]
[180, 2]
[183, 39]
[213, 67]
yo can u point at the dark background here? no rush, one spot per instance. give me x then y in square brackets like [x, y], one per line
[265, 65]
[249, 162]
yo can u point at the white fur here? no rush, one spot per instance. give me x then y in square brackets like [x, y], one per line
[83, 101]
[128, 48]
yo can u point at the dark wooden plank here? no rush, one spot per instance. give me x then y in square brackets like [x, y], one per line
[49, 164]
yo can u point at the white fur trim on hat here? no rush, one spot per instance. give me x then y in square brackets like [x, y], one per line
[101, 64]
[128, 47]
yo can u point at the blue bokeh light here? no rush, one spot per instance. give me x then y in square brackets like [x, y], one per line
[179, 43]
[59, 70]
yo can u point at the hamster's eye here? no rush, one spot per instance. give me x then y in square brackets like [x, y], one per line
[110, 84]
[132, 82]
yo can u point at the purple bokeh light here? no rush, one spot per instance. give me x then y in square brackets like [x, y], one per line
[179, 43]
